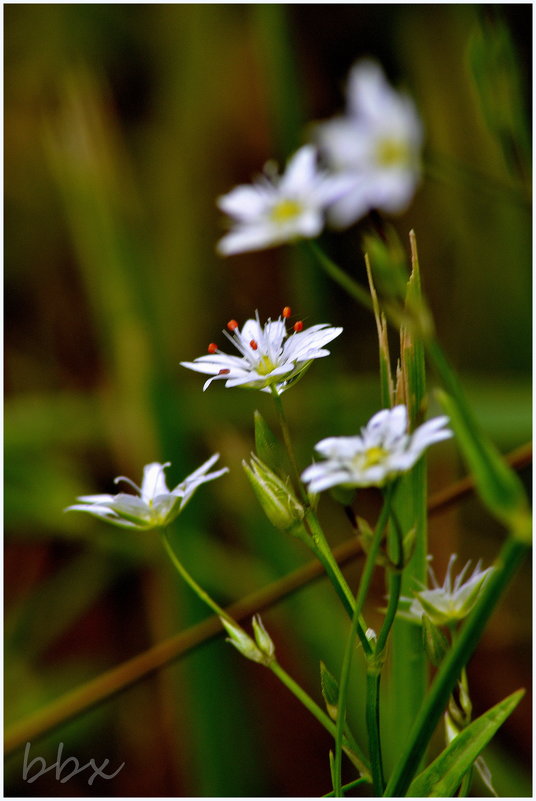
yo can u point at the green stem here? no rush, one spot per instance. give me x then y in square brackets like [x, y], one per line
[199, 591]
[316, 711]
[428, 716]
[364, 584]
[349, 786]
[325, 555]
[313, 528]
[339, 276]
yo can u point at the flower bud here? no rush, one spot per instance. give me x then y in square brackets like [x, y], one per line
[276, 497]
[242, 641]
[263, 639]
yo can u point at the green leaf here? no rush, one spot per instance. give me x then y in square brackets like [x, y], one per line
[267, 446]
[497, 484]
[444, 774]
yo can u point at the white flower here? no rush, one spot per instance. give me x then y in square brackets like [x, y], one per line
[153, 506]
[278, 209]
[377, 143]
[269, 357]
[382, 451]
[451, 602]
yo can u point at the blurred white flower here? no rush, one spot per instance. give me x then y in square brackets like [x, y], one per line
[453, 600]
[154, 505]
[382, 451]
[277, 209]
[377, 144]
[269, 357]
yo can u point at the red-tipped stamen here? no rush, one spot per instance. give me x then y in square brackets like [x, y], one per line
[287, 311]
[253, 345]
[232, 325]
[212, 348]
[225, 371]
[298, 326]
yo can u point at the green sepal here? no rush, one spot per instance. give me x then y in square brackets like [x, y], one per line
[330, 691]
[267, 446]
[343, 495]
[435, 643]
[442, 777]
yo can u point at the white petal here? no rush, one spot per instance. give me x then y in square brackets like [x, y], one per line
[154, 482]
[300, 172]
[260, 234]
[245, 202]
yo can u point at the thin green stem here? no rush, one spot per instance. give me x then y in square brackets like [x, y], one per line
[312, 526]
[372, 716]
[511, 556]
[364, 585]
[324, 553]
[339, 276]
[316, 711]
[465, 786]
[199, 591]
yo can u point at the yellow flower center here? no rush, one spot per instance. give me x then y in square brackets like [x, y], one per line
[286, 210]
[374, 456]
[265, 365]
[390, 152]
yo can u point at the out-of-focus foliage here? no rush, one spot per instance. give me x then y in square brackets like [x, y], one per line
[123, 123]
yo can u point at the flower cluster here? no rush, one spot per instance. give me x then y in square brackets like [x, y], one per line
[371, 161]
[153, 505]
[270, 357]
[383, 450]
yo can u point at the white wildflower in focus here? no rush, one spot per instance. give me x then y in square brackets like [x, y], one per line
[277, 209]
[383, 450]
[453, 600]
[154, 505]
[377, 144]
[269, 357]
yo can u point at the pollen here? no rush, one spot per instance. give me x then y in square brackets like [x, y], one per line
[232, 325]
[253, 345]
[298, 326]
[287, 311]
[224, 371]
[212, 348]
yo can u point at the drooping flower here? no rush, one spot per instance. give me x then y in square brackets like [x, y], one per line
[451, 601]
[383, 450]
[377, 144]
[269, 356]
[277, 209]
[153, 505]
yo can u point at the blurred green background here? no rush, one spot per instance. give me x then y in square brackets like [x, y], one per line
[123, 123]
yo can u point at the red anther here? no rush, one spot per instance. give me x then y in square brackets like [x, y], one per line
[253, 345]
[225, 371]
[212, 348]
[287, 311]
[298, 326]
[232, 325]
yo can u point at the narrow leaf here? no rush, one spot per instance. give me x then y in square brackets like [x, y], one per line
[444, 774]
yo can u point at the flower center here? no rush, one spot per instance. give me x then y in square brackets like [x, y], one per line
[390, 152]
[265, 365]
[374, 456]
[285, 210]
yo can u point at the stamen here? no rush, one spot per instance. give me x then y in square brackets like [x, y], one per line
[232, 325]
[298, 326]
[212, 348]
[225, 371]
[253, 345]
[287, 311]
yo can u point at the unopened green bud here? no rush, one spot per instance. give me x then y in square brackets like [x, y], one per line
[276, 497]
[242, 641]
[263, 639]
